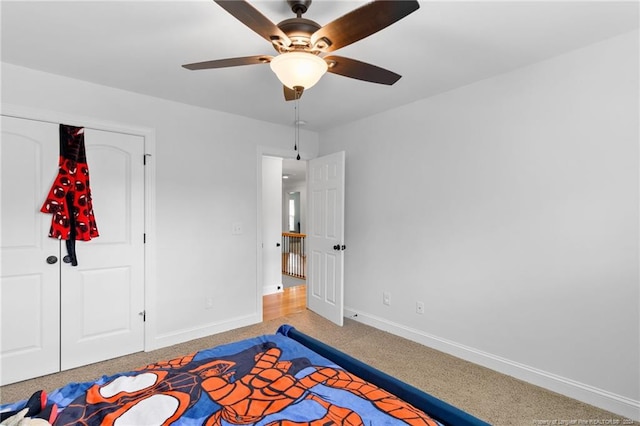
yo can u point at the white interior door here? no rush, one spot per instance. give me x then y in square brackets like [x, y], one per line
[102, 298]
[325, 287]
[29, 286]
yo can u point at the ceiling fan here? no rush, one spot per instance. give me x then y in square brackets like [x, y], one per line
[301, 43]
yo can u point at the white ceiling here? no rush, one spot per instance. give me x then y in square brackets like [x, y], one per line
[140, 47]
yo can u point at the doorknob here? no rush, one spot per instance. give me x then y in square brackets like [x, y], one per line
[336, 247]
[51, 260]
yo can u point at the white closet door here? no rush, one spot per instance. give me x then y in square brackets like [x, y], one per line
[53, 315]
[103, 297]
[29, 286]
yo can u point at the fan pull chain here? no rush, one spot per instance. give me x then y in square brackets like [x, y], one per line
[297, 123]
[296, 133]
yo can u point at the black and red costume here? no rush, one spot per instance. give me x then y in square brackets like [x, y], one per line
[69, 199]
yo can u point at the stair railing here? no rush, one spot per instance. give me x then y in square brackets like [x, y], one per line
[294, 257]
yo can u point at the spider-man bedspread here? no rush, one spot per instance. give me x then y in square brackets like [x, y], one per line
[266, 380]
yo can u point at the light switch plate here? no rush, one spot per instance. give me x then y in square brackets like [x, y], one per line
[236, 228]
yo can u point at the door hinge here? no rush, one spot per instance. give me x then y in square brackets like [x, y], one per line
[144, 238]
[143, 314]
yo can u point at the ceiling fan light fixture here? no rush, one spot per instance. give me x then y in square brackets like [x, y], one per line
[300, 69]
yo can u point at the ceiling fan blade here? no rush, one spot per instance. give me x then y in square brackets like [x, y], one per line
[360, 70]
[361, 23]
[230, 62]
[290, 94]
[252, 18]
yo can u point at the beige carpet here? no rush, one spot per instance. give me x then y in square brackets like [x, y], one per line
[493, 397]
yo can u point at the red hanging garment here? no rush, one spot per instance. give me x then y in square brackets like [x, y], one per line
[69, 199]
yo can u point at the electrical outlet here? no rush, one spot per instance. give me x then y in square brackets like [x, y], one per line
[420, 308]
[386, 298]
[236, 228]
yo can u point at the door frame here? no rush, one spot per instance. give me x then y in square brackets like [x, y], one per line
[270, 152]
[149, 136]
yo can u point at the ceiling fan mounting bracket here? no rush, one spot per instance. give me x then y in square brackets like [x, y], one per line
[299, 7]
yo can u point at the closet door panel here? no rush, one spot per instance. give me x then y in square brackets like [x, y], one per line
[29, 259]
[103, 296]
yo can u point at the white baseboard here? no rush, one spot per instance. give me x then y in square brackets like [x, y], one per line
[600, 398]
[184, 335]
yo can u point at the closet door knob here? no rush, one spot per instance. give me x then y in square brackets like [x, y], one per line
[51, 260]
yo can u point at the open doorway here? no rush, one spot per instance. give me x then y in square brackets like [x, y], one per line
[294, 222]
[325, 236]
[287, 196]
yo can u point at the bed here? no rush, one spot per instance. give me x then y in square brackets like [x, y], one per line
[284, 379]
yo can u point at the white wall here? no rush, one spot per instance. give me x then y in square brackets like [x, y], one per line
[510, 207]
[206, 180]
[271, 224]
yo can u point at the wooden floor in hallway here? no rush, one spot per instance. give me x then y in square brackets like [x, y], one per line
[289, 301]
